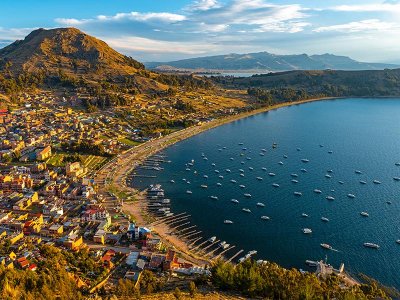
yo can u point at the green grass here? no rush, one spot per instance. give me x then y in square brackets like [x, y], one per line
[128, 142]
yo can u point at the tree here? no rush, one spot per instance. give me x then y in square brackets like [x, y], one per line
[192, 289]
[177, 293]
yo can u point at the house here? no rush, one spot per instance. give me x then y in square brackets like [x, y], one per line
[43, 154]
[56, 229]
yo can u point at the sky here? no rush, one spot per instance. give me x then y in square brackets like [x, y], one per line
[164, 30]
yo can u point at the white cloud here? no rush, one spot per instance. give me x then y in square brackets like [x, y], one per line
[13, 34]
[389, 7]
[359, 26]
[203, 5]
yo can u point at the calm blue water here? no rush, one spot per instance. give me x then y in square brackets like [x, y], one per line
[363, 135]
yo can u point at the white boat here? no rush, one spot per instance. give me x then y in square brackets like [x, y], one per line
[397, 164]
[247, 195]
[330, 198]
[328, 176]
[189, 192]
[241, 170]
[242, 162]
[271, 174]
[307, 230]
[304, 215]
[240, 144]
[260, 204]
[213, 164]
[228, 222]
[377, 181]
[351, 195]
[261, 154]
[246, 210]
[241, 174]
[204, 186]
[285, 156]
[234, 201]
[265, 218]
[205, 158]
[317, 191]
[294, 175]
[330, 151]
[205, 176]
[364, 214]
[251, 168]
[341, 182]
[280, 163]
[357, 172]
[396, 178]
[326, 246]
[187, 169]
[264, 168]
[298, 149]
[294, 181]
[214, 197]
[259, 178]
[252, 252]
[371, 245]
[298, 194]
[172, 181]
[219, 184]
[248, 158]
[212, 239]
[220, 176]
[275, 185]
[363, 182]
[216, 171]
[221, 244]
[329, 171]
[184, 179]
[398, 241]
[389, 202]
[303, 170]
[264, 150]
[228, 170]
[311, 263]
[324, 219]
[233, 180]
[242, 186]
[305, 160]
[226, 246]
[188, 182]
[231, 158]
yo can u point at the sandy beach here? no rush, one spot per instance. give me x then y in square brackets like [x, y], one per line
[123, 164]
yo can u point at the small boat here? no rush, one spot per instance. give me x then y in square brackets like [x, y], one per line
[251, 168]
[233, 180]
[183, 179]
[231, 158]
[219, 149]
[330, 171]
[204, 186]
[219, 184]
[326, 246]
[252, 252]
[189, 192]
[321, 146]
[271, 174]
[172, 181]
[228, 170]
[351, 195]
[205, 158]
[341, 182]
[330, 198]
[396, 178]
[240, 144]
[242, 162]
[259, 178]
[304, 215]
[265, 218]
[188, 182]
[317, 191]
[221, 244]
[264, 169]
[294, 175]
[241, 170]
[324, 219]
[244, 149]
[212, 239]
[248, 158]
[357, 172]
[241, 175]
[330, 151]
[280, 163]
[298, 149]
[214, 197]
[242, 186]
[304, 160]
[205, 176]
[294, 181]
[371, 245]
[260, 204]
[311, 263]
[247, 195]
[285, 156]
[264, 150]
[303, 170]
[275, 185]
[262, 154]
[216, 171]
[187, 169]
[221, 176]
[234, 201]
[328, 176]
[377, 181]
[364, 214]
[389, 202]
[398, 241]
[298, 194]
[228, 222]
[246, 210]
[224, 148]
[213, 164]
[397, 164]
[363, 182]
[307, 230]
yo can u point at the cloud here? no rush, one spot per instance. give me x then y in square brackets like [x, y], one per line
[202, 5]
[387, 6]
[12, 34]
[360, 26]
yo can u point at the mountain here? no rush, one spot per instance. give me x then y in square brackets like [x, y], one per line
[66, 49]
[266, 62]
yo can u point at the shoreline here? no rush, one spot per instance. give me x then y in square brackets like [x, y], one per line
[120, 167]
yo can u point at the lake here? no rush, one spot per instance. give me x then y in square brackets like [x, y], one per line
[338, 137]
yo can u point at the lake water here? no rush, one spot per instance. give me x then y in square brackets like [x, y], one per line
[363, 134]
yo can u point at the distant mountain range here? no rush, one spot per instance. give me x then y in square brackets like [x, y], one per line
[267, 62]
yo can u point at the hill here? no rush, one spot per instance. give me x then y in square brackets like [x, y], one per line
[264, 62]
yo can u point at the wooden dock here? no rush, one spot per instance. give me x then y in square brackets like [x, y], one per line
[236, 255]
